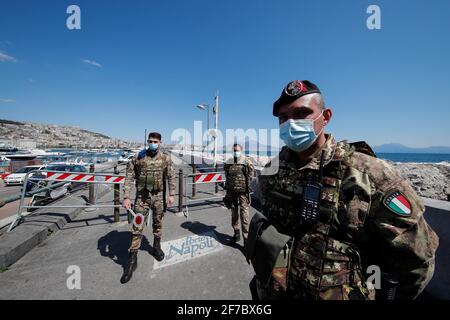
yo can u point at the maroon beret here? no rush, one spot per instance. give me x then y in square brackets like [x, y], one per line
[294, 90]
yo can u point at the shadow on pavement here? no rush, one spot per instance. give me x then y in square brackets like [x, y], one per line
[108, 219]
[115, 244]
[199, 228]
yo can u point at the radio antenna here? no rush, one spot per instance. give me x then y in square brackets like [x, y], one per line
[321, 165]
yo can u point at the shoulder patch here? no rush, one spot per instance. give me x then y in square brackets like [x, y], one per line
[396, 202]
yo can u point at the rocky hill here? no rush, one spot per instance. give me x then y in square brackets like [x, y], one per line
[430, 180]
[37, 135]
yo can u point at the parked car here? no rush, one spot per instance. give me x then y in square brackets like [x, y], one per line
[51, 194]
[125, 159]
[18, 176]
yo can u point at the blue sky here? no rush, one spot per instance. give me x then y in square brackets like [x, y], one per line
[160, 58]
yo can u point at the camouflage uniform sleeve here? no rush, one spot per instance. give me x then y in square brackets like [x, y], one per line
[225, 168]
[129, 178]
[251, 168]
[406, 243]
[262, 189]
[170, 171]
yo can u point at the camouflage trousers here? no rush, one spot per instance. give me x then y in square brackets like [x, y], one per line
[239, 201]
[143, 203]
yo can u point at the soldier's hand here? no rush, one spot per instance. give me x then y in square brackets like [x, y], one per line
[126, 204]
[171, 201]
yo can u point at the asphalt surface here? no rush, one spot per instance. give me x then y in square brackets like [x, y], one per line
[439, 286]
[99, 248]
[6, 191]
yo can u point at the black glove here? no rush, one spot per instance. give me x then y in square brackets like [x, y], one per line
[227, 202]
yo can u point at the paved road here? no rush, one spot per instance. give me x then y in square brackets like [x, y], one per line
[99, 248]
[6, 191]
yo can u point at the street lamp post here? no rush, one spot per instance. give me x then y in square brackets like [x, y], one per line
[204, 106]
[216, 125]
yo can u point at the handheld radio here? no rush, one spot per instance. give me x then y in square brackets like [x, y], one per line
[312, 190]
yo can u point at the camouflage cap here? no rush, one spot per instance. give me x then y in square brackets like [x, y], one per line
[294, 90]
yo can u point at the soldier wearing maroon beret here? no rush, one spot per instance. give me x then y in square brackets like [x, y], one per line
[342, 215]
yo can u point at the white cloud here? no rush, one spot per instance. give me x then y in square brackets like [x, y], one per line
[91, 62]
[5, 58]
[7, 100]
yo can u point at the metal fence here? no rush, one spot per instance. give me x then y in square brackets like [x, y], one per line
[55, 184]
[201, 178]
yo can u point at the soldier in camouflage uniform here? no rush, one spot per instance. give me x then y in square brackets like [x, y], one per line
[238, 173]
[146, 172]
[368, 214]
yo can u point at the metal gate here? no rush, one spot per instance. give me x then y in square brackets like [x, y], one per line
[201, 179]
[63, 178]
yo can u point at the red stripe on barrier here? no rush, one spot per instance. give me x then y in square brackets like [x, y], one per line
[118, 179]
[63, 176]
[208, 177]
[49, 174]
[91, 178]
[211, 177]
[79, 177]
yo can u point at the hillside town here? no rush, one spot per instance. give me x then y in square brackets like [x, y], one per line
[28, 135]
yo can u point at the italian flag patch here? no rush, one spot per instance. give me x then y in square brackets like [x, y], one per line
[397, 203]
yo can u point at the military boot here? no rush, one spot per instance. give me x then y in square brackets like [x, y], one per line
[130, 268]
[236, 237]
[157, 251]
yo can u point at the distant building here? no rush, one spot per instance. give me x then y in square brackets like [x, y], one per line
[6, 142]
[25, 143]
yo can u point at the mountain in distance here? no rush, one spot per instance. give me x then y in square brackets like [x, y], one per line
[252, 145]
[400, 148]
[384, 148]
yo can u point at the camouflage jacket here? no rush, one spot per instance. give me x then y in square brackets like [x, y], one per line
[242, 161]
[376, 211]
[134, 170]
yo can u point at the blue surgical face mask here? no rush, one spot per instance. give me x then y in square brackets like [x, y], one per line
[153, 146]
[237, 154]
[299, 134]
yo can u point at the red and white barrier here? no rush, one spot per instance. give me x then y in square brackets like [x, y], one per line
[4, 175]
[82, 177]
[202, 178]
[208, 177]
